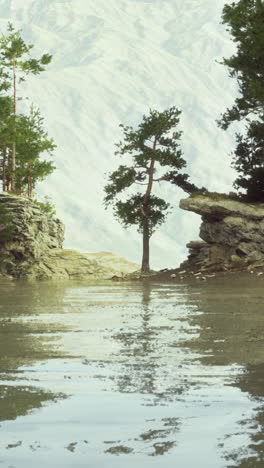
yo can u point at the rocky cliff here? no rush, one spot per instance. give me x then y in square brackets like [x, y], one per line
[31, 246]
[232, 233]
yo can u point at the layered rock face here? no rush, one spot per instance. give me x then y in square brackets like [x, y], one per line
[27, 235]
[31, 246]
[232, 233]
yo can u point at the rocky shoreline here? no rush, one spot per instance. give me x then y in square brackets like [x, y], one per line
[232, 243]
[178, 275]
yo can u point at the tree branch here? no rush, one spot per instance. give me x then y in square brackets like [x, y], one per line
[161, 178]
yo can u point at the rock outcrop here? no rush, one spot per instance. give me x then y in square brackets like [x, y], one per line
[70, 264]
[31, 246]
[232, 233]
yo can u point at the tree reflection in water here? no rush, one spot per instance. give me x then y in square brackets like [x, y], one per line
[160, 359]
[23, 342]
[141, 374]
[252, 382]
[231, 323]
[19, 400]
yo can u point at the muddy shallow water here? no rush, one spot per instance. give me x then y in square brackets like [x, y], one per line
[114, 375]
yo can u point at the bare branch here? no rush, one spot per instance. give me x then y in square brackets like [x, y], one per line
[160, 178]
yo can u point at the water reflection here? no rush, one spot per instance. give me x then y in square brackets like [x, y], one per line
[28, 332]
[252, 382]
[230, 321]
[231, 324]
[141, 374]
[165, 371]
[19, 400]
[24, 340]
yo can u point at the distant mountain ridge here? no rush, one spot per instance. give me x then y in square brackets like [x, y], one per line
[112, 61]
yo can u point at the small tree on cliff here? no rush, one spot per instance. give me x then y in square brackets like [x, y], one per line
[16, 62]
[245, 22]
[155, 156]
[31, 141]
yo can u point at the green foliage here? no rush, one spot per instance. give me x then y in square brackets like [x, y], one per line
[154, 155]
[6, 123]
[12, 51]
[31, 141]
[139, 143]
[253, 185]
[181, 180]
[244, 20]
[4, 82]
[248, 160]
[129, 212]
[153, 142]
[119, 180]
[47, 207]
[23, 139]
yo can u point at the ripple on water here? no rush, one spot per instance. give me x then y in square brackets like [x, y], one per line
[124, 373]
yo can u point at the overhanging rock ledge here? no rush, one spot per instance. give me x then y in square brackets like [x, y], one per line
[232, 233]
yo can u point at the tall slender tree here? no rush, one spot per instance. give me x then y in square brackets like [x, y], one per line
[6, 138]
[16, 62]
[155, 155]
[5, 114]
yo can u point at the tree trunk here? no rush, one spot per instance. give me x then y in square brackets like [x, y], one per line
[145, 257]
[8, 173]
[13, 181]
[4, 171]
[29, 181]
[145, 212]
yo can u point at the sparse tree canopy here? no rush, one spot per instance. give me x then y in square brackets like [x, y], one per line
[245, 22]
[155, 156]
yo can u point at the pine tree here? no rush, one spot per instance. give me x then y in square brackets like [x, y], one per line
[5, 121]
[155, 155]
[31, 141]
[16, 62]
[248, 160]
[245, 22]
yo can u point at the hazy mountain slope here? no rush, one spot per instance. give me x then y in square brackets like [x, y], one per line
[112, 62]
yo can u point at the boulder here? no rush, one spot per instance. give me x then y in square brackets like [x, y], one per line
[27, 234]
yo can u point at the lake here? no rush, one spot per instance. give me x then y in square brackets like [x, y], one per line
[132, 374]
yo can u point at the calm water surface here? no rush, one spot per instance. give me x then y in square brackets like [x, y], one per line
[114, 375]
